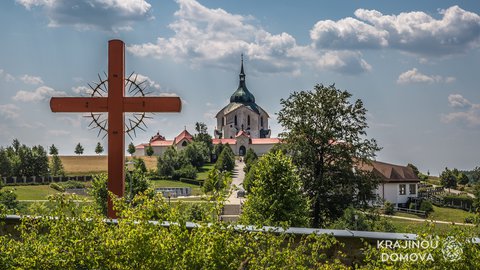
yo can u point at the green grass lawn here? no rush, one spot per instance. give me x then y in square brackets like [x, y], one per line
[448, 214]
[410, 226]
[203, 172]
[33, 192]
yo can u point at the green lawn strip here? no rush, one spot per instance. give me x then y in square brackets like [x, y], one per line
[203, 172]
[448, 214]
[411, 226]
[33, 192]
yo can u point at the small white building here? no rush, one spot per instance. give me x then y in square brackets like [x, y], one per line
[398, 183]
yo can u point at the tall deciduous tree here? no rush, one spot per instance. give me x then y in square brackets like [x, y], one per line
[79, 149]
[448, 178]
[203, 136]
[98, 148]
[276, 197]
[325, 134]
[56, 166]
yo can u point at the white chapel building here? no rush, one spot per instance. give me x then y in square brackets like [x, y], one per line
[243, 124]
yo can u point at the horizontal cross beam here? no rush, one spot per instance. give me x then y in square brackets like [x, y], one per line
[130, 104]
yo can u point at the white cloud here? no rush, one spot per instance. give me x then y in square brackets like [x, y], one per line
[414, 76]
[110, 15]
[456, 31]
[41, 93]
[6, 76]
[28, 79]
[82, 90]
[458, 101]
[10, 111]
[470, 114]
[214, 37]
[142, 79]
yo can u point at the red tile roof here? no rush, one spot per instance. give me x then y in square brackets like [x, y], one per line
[162, 143]
[266, 141]
[183, 135]
[224, 141]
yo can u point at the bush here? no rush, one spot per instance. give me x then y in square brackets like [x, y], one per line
[9, 199]
[388, 208]
[426, 206]
[56, 186]
[187, 171]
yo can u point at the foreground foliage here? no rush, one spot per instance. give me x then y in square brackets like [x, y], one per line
[79, 238]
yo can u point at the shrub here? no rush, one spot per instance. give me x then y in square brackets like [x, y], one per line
[426, 206]
[187, 171]
[389, 208]
[56, 186]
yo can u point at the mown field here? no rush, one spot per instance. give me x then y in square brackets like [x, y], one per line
[87, 165]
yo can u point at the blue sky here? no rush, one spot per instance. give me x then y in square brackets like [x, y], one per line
[415, 64]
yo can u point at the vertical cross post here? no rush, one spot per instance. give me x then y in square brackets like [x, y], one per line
[116, 129]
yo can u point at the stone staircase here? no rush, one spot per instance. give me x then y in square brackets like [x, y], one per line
[231, 212]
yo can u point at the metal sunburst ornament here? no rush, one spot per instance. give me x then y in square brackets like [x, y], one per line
[133, 88]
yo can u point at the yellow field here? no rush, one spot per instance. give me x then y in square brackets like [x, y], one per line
[86, 165]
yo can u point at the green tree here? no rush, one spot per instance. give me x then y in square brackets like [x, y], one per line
[98, 148]
[149, 151]
[353, 219]
[197, 153]
[217, 150]
[448, 179]
[203, 136]
[414, 168]
[276, 197]
[56, 166]
[99, 192]
[249, 159]
[131, 149]
[216, 180]
[5, 165]
[53, 150]
[226, 160]
[174, 164]
[79, 149]
[463, 179]
[326, 137]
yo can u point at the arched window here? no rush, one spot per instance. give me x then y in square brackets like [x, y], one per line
[235, 120]
[223, 121]
[261, 121]
[248, 120]
[184, 143]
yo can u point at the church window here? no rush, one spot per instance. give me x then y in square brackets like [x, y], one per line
[184, 143]
[248, 120]
[261, 121]
[235, 120]
[223, 121]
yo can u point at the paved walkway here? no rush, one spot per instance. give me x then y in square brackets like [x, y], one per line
[429, 220]
[237, 183]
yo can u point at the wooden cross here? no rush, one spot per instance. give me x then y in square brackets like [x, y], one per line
[116, 104]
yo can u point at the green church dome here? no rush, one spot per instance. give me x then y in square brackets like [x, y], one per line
[242, 95]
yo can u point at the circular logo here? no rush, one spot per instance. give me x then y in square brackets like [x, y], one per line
[452, 250]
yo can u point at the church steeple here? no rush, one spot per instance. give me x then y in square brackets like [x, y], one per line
[242, 95]
[242, 73]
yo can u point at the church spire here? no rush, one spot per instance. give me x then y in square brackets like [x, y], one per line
[242, 73]
[242, 95]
